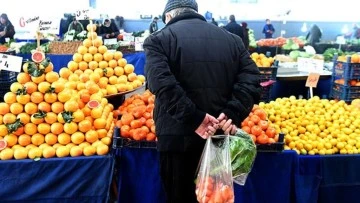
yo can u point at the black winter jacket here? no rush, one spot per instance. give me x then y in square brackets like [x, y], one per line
[236, 29]
[194, 68]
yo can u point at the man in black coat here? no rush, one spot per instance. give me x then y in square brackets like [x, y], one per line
[235, 28]
[153, 25]
[197, 72]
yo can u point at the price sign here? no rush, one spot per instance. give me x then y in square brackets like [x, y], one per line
[312, 80]
[50, 26]
[10, 63]
[310, 65]
[110, 41]
[84, 14]
[128, 38]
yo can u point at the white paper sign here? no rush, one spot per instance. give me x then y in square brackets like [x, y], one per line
[128, 38]
[110, 41]
[84, 14]
[50, 26]
[28, 24]
[10, 63]
[139, 42]
[310, 65]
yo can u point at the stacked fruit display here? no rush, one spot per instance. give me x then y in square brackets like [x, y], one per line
[136, 117]
[261, 60]
[316, 126]
[259, 127]
[106, 70]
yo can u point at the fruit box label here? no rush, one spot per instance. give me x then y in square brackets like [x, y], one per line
[10, 63]
[310, 65]
[312, 80]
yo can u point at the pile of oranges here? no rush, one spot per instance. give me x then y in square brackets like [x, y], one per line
[136, 117]
[261, 60]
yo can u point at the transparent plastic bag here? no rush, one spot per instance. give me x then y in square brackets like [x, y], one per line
[214, 183]
[243, 154]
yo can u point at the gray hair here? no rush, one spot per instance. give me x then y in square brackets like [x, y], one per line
[177, 11]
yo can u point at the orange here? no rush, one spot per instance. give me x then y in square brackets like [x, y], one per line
[106, 140]
[109, 72]
[30, 87]
[101, 133]
[60, 118]
[118, 71]
[129, 68]
[72, 85]
[59, 86]
[24, 118]
[108, 56]
[91, 27]
[65, 72]
[35, 153]
[51, 77]
[132, 77]
[35, 120]
[99, 123]
[57, 107]
[31, 108]
[89, 151]
[91, 35]
[6, 154]
[64, 138]
[49, 152]
[16, 108]
[30, 128]
[122, 62]
[78, 116]
[49, 68]
[73, 66]
[77, 138]
[24, 140]
[94, 77]
[57, 128]
[91, 136]
[98, 57]
[92, 88]
[141, 78]
[43, 87]
[4, 108]
[92, 50]
[102, 49]
[76, 151]
[70, 145]
[85, 125]
[43, 128]
[87, 43]
[87, 111]
[77, 57]
[57, 145]
[50, 97]
[103, 82]
[9, 118]
[50, 118]
[37, 139]
[355, 58]
[88, 57]
[50, 139]
[102, 150]
[62, 151]
[70, 128]
[64, 96]
[111, 89]
[93, 64]
[85, 97]
[103, 64]
[83, 65]
[20, 153]
[98, 42]
[11, 140]
[113, 80]
[80, 86]
[43, 106]
[99, 71]
[71, 106]
[39, 79]
[78, 73]
[82, 50]
[74, 77]
[14, 87]
[96, 112]
[118, 55]
[23, 78]
[113, 63]
[88, 71]
[37, 97]
[23, 99]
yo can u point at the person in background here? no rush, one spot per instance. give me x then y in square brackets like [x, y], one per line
[197, 92]
[268, 29]
[214, 22]
[356, 32]
[234, 28]
[7, 29]
[119, 21]
[75, 25]
[314, 35]
[109, 30]
[246, 34]
[153, 25]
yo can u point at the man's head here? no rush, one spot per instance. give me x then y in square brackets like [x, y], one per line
[232, 18]
[4, 18]
[176, 7]
[268, 21]
[107, 23]
[156, 19]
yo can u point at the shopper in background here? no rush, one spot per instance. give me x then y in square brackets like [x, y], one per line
[75, 25]
[235, 28]
[153, 25]
[268, 29]
[314, 35]
[214, 22]
[109, 30]
[193, 88]
[356, 32]
[7, 29]
[246, 34]
[119, 22]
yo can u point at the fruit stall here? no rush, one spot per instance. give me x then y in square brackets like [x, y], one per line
[75, 129]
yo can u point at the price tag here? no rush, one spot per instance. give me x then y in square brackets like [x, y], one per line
[50, 26]
[310, 65]
[84, 14]
[312, 80]
[110, 41]
[10, 63]
[128, 38]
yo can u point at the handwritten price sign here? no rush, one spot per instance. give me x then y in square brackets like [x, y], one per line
[10, 63]
[312, 80]
[84, 14]
[310, 65]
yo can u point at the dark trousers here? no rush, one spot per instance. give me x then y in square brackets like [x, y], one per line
[178, 174]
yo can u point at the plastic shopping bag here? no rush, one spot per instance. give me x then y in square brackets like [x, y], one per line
[243, 153]
[214, 183]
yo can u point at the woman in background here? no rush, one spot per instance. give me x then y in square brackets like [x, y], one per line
[7, 29]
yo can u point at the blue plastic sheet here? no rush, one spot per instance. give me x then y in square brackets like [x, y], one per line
[80, 179]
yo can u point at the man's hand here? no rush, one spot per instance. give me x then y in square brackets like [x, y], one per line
[112, 34]
[208, 127]
[226, 124]
[107, 35]
[2, 33]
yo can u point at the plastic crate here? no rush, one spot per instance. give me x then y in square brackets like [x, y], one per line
[346, 70]
[267, 74]
[120, 142]
[346, 93]
[266, 93]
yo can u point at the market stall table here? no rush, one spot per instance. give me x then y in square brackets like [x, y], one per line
[76, 179]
